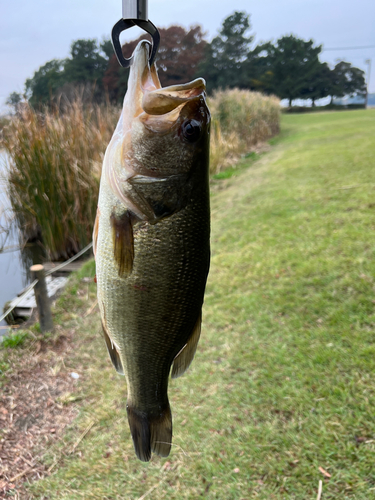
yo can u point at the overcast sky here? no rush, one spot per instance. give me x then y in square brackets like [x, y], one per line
[34, 32]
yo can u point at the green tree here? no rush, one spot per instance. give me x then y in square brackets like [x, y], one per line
[86, 63]
[293, 62]
[319, 84]
[223, 62]
[14, 100]
[347, 80]
[107, 48]
[86, 66]
[257, 71]
[41, 88]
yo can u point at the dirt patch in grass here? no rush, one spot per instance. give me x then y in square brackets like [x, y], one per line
[32, 410]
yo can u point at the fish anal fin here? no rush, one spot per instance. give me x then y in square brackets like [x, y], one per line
[112, 351]
[123, 242]
[150, 433]
[184, 358]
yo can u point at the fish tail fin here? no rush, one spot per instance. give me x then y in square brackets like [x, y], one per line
[161, 432]
[150, 433]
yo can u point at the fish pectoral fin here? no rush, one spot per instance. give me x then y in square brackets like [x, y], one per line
[184, 358]
[112, 351]
[95, 232]
[150, 433]
[160, 197]
[123, 242]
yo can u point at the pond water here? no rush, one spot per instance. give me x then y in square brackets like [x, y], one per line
[14, 264]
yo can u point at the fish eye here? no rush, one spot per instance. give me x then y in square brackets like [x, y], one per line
[191, 130]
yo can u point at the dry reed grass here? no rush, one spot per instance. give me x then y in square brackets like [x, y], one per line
[55, 160]
[241, 120]
[54, 170]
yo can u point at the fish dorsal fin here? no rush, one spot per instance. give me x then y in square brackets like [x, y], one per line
[183, 359]
[112, 351]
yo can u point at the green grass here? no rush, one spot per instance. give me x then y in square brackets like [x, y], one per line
[237, 167]
[16, 339]
[282, 382]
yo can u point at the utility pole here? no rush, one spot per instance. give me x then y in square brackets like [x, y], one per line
[368, 62]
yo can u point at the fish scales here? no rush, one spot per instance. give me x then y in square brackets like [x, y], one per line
[151, 244]
[157, 305]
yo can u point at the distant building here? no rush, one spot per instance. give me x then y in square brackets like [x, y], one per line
[371, 101]
[341, 101]
[344, 101]
[347, 100]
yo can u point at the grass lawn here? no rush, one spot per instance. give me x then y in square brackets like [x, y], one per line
[281, 393]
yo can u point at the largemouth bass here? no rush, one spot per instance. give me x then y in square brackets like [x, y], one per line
[151, 243]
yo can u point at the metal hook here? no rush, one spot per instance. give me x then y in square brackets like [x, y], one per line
[124, 24]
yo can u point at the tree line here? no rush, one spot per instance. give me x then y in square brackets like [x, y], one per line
[289, 68]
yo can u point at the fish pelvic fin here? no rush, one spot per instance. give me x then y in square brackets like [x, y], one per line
[150, 433]
[112, 351]
[184, 358]
[123, 242]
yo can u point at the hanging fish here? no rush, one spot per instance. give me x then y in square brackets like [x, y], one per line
[151, 243]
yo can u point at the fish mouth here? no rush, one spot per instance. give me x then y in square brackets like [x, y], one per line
[146, 98]
[159, 133]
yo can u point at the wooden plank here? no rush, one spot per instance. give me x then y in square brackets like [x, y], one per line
[27, 304]
[69, 268]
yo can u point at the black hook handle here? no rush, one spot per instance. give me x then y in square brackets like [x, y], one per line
[124, 24]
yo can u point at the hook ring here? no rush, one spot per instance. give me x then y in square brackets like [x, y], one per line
[124, 24]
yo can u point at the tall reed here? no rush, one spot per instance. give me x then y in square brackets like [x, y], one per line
[53, 172]
[55, 160]
[241, 119]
